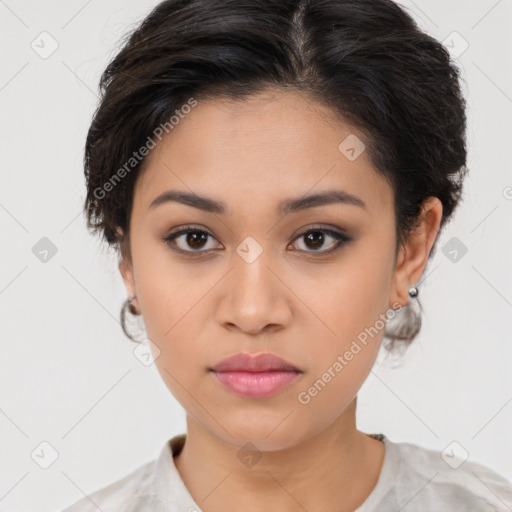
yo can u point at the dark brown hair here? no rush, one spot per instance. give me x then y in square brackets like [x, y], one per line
[365, 59]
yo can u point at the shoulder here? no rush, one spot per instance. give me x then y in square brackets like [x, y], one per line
[428, 479]
[134, 492]
[153, 487]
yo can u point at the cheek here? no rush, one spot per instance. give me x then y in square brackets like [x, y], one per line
[173, 298]
[327, 394]
[354, 307]
[174, 318]
[345, 299]
[167, 291]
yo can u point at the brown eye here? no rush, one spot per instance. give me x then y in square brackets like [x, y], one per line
[196, 239]
[194, 242]
[190, 240]
[315, 239]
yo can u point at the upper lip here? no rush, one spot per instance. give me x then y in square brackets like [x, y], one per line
[249, 363]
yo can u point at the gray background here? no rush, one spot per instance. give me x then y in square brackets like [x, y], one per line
[68, 375]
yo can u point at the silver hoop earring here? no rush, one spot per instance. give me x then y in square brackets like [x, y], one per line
[404, 323]
[128, 306]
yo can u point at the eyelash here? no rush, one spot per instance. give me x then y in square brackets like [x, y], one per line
[341, 240]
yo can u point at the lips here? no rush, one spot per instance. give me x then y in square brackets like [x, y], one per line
[265, 362]
[255, 376]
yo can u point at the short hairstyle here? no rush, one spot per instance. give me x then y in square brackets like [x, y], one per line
[366, 60]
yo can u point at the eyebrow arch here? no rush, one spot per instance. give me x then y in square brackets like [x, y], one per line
[320, 199]
[288, 206]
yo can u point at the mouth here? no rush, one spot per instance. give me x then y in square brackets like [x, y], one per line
[255, 376]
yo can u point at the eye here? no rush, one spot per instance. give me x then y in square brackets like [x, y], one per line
[189, 240]
[316, 238]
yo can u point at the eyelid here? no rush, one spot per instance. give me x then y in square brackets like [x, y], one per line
[333, 230]
[170, 237]
[338, 234]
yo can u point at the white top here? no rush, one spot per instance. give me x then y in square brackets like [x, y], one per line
[412, 479]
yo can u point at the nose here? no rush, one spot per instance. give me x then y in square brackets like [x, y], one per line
[255, 297]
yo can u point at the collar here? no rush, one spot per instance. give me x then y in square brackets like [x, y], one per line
[173, 495]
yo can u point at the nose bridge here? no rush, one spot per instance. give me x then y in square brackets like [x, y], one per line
[256, 297]
[251, 272]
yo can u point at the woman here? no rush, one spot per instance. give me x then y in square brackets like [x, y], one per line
[275, 175]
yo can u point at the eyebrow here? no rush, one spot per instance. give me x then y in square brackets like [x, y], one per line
[288, 206]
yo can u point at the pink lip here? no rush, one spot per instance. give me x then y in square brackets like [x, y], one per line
[255, 376]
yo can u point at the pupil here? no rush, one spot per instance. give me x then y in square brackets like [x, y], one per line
[317, 238]
[193, 238]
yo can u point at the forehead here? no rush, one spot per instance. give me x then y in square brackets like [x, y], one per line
[262, 149]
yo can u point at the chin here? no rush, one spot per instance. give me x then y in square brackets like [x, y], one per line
[267, 432]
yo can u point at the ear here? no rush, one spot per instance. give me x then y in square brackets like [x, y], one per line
[126, 270]
[413, 254]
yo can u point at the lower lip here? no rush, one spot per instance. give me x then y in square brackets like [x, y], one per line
[256, 384]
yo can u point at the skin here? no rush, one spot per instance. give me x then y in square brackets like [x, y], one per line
[292, 301]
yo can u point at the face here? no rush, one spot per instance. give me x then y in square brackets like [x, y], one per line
[310, 284]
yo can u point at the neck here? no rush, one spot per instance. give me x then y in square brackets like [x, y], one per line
[334, 470]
